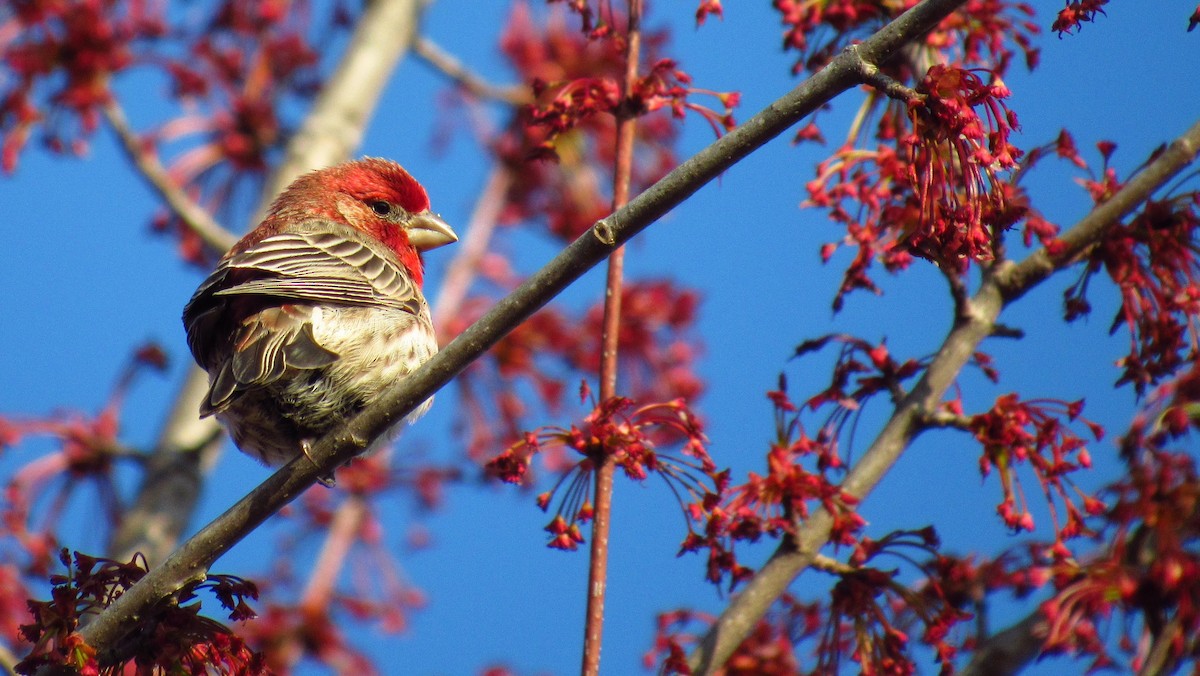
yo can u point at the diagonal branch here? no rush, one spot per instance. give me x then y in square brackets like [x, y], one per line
[196, 217]
[440, 59]
[1018, 279]
[1009, 651]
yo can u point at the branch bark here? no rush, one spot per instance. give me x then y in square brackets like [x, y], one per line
[1007, 652]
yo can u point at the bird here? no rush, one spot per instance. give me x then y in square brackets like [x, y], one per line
[318, 309]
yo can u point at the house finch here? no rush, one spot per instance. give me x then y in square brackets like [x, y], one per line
[318, 309]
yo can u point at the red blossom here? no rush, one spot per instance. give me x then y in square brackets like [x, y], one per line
[578, 97]
[954, 154]
[632, 438]
[170, 636]
[88, 449]
[1153, 260]
[1034, 433]
[1073, 16]
[769, 649]
[939, 196]
[60, 58]
[285, 634]
[553, 348]
[1144, 581]
[982, 32]
[707, 8]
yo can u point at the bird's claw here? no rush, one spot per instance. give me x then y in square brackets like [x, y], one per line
[326, 480]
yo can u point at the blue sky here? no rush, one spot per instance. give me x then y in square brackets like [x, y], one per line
[84, 282]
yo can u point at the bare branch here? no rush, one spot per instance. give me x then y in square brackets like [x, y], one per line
[828, 564]
[887, 85]
[196, 217]
[443, 61]
[1009, 651]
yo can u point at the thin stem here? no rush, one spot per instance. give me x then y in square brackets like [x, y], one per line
[195, 217]
[471, 250]
[602, 515]
[343, 531]
[448, 65]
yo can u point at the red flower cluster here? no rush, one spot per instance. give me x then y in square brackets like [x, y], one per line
[954, 154]
[868, 618]
[769, 650]
[988, 32]
[60, 58]
[1016, 432]
[869, 607]
[552, 348]
[1152, 259]
[631, 438]
[1149, 567]
[285, 634]
[1073, 16]
[576, 82]
[170, 637]
[940, 198]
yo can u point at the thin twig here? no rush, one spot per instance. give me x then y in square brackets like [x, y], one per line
[195, 217]
[443, 61]
[461, 271]
[828, 564]
[609, 358]
[1009, 651]
[888, 85]
[343, 531]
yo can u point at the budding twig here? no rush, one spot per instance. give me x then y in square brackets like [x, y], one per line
[602, 516]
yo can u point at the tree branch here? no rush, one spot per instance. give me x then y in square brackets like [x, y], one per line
[1016, 280]
[452, 68]
[1009, 651]
[196, 217]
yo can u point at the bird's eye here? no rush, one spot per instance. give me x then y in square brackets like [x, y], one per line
[380, 207]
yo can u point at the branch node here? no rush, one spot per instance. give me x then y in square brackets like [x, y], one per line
[604, 232]
[1005, 331]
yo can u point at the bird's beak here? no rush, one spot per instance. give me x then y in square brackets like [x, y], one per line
[428, 231]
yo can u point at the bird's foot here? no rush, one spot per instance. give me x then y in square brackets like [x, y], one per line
[327, 480]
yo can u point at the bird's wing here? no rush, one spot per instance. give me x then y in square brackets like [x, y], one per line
[331, 264]
[252, 317]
